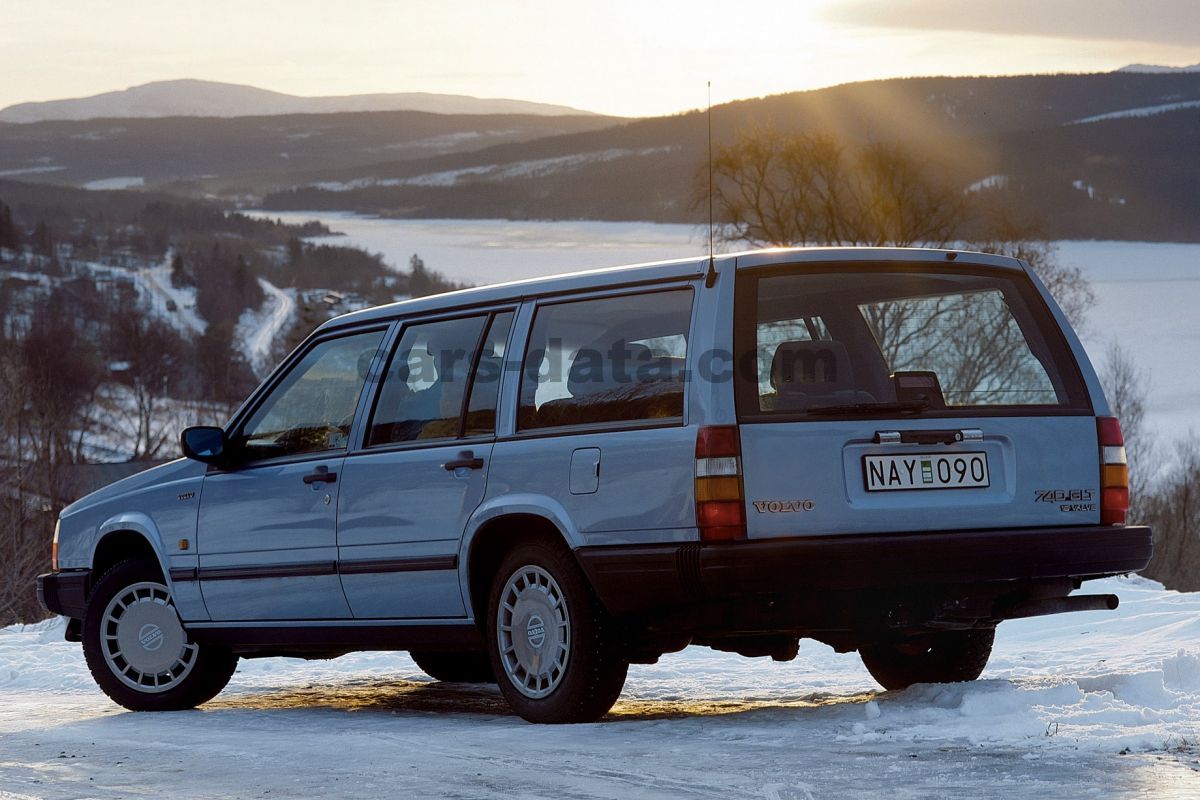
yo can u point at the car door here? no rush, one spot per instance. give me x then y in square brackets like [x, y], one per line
[421, 471]
[267, 536]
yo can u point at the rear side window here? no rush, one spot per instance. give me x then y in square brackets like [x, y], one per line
[425, 382]
[608, 360]
[818, 343]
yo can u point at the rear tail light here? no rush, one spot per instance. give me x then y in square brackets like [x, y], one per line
[54, 548]
[720, 501]
[1114, 472]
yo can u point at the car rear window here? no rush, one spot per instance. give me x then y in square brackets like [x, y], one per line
[864, 340]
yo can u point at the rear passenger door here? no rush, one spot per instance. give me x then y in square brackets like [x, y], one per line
[600, 426]
[421, 469]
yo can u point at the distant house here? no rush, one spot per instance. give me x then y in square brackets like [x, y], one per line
[78, 480]
[86, 478]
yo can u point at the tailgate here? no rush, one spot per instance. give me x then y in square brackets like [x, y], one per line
[815, 477]
[890, 397]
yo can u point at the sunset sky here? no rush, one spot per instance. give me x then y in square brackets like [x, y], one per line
[631, 57]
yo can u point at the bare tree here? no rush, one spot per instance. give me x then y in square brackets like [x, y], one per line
[150, 353]
[1126, 385]
[24, 553]
[1174, 513]
[1001, 229]
[774, 189]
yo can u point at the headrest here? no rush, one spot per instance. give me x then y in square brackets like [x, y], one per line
[400, 371]
[811, 367]
[593, 371]
[365, 359]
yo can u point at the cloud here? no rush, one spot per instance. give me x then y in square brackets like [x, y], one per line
[1173, 22]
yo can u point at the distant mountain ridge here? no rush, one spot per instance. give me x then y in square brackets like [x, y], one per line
[197, 98]
[1158, 69]
[1107, 155]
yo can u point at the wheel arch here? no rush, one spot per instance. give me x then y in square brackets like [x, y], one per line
[127, 536]
[493, 531]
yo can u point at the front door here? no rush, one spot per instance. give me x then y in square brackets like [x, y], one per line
[267, 535]
[408, 492]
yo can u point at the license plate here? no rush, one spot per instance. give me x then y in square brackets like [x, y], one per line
[910, 471]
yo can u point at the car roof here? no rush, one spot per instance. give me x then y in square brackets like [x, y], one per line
[660, 272]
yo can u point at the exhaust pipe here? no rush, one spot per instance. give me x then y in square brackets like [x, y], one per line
[1062, 605]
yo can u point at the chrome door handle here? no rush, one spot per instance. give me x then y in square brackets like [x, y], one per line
[466, 460]
[320, 475]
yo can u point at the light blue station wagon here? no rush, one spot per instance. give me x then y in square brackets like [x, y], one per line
[886, 450]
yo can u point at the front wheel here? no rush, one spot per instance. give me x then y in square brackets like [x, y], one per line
[942, 657]
[139, 652]
[553, 648]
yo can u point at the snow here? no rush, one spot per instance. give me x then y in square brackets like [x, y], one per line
[1143, 111]
[494, 172]
[1095, 704]
[154, 283]
[1084, 186]
[998, 181]
[123, 182]
[9, 173]
[258, 329]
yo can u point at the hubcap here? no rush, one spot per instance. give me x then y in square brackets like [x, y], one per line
[533, 630]
[143, 641]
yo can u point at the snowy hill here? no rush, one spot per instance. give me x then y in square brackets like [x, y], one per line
[195, 98]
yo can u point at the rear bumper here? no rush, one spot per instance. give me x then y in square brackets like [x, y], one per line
[640, 578]
[64, 592]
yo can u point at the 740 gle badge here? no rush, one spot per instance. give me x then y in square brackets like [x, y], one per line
[1068, 500]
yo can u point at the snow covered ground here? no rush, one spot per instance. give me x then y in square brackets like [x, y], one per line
[156, 287]
[1090, 705]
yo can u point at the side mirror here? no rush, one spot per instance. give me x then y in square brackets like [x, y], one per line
[204, 443]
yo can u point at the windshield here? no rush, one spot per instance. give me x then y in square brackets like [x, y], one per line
[879, 340]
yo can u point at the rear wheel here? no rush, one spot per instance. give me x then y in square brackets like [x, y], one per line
[139, 652]
[456, 667]
[942, 657]
[552, 646]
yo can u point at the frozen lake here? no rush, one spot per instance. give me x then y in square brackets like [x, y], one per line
[1147, 294]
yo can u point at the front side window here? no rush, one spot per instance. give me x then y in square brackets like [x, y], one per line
[312, 408]
[608, 360]
[822, 342]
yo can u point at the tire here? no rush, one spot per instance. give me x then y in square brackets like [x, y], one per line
[554, 651]
[137, 649]
[944, 657]
[465, 667]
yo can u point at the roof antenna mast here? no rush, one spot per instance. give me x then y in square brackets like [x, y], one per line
[710, 277]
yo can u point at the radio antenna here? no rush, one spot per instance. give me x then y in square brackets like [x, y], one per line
[710, 277]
